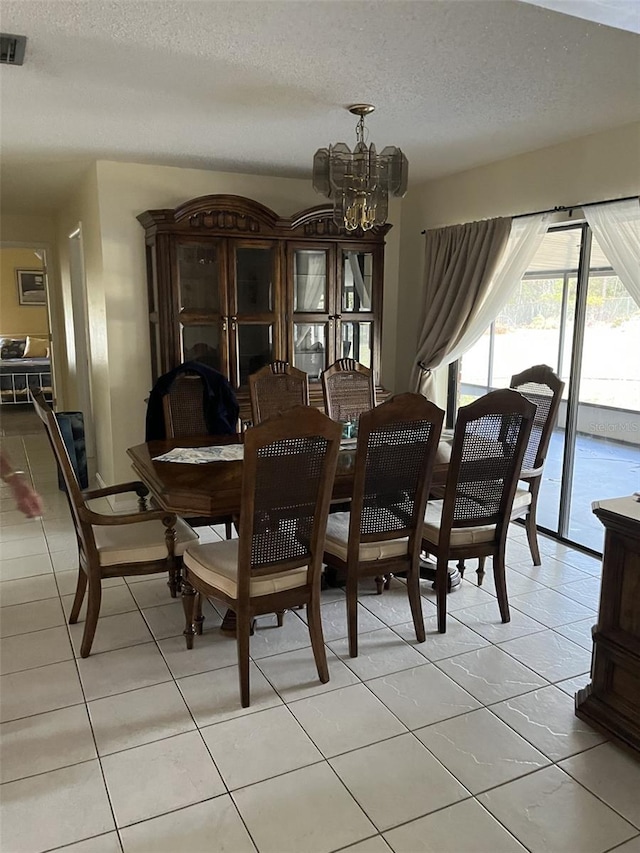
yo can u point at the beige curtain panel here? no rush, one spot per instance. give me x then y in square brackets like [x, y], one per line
[459, 264]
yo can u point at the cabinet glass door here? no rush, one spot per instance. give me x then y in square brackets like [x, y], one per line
[357, 341]
[313, 309]
[254, 308]
[254, 347]
[255, 274]
[204, 343]
[357, 282]
[310, 281]
[198, 278]
[356, 328]
[201, 303]
[310, 348]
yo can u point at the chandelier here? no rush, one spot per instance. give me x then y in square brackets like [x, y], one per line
[359, 183]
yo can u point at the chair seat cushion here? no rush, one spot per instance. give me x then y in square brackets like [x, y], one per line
[521, 502]
[459, 535]
[138, 543]
[337, 538]
[216, 563]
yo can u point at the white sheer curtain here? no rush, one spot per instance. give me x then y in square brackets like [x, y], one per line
[616, 227]
[524, 241]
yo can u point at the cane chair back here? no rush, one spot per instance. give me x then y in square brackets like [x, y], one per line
[288, 472]
[275, 388]
[397, 443]
[183, 407]
[117, 545]
[489, 443]
[542, 387]
[348, 390]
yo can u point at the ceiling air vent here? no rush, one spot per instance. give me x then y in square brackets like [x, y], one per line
[12, 49]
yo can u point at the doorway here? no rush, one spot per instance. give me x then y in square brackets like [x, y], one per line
[79, 347]
[26, 344]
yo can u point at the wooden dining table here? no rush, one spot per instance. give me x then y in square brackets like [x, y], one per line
[215, 488]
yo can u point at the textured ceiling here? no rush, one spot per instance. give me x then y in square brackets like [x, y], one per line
[257, 86]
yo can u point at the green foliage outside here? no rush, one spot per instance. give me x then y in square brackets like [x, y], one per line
[537, 302]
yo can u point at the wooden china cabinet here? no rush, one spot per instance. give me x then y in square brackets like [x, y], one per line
[235, 286]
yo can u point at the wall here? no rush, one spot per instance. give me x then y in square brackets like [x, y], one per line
[124, 190]
[16, 319]
[82, 209]
[597, 167]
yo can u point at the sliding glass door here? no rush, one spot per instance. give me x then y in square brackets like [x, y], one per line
[570, 311]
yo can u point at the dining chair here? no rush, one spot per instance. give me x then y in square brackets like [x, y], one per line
[542, 387]
[215, 413]
[113, 545]
[275, 388]
[275, 564]
[348, 390]
[381, 534]
[489, 442]
[183, 407]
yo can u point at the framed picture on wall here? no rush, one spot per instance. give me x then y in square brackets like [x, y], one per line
[31, 289]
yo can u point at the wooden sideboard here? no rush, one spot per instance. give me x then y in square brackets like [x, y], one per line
[611, 701]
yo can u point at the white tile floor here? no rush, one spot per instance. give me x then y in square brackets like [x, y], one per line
[467, 742]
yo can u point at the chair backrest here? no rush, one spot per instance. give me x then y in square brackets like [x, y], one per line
[489, 442]
[84, 531]
[183, 406]
[275, 388]
[348, 390]
[397, 443]
[287, 479]
[542, 387]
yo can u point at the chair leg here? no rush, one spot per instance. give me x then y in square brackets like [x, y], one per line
[79, 598]
[442, 580]
[480, 570]
[228, 529]
[500, 581]
[188, 605]
[280, 618]
[380, 584]
[243, 629]
[91, 621]
[198, 619]
[317, 639]
[352, 613]
[413, 588]
[461, 568]
[530, 525]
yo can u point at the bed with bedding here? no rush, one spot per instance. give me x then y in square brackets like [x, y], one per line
[24, 364]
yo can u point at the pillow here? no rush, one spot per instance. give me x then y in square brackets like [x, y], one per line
[12, 347]
[36, 348]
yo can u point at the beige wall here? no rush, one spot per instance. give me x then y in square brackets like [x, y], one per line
[82, 210]
[15, 319]
[598, 167]
[124, 190]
